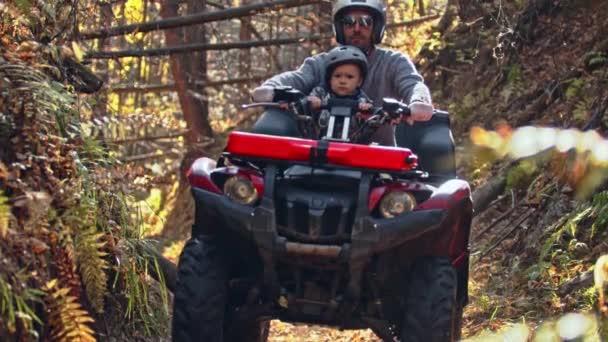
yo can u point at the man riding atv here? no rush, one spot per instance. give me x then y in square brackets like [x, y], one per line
[326, 228]
[390, 74]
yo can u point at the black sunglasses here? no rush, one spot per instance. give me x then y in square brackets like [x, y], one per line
[364, 20]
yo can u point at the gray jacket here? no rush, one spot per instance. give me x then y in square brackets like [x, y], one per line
[390, 74]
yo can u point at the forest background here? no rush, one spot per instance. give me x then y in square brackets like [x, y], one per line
[100, 116]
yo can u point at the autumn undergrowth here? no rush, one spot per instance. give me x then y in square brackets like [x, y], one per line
[66, 229]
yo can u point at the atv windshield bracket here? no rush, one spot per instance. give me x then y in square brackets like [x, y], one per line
[264, 231]
[318, 154]
[360, 249]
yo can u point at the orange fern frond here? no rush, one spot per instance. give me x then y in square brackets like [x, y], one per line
[67, 319]
[63, 257]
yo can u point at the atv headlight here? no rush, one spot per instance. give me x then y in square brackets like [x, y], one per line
[240, 190]
[396, 203]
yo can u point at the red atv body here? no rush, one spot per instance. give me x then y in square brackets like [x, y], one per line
[293, 229]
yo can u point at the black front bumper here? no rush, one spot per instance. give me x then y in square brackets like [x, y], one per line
[369, 235]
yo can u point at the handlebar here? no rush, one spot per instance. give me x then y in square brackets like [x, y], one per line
[391, 110]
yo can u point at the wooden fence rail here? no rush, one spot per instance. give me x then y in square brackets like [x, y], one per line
[197, 18]
[151, 88]
[202, 47]
[233, 45]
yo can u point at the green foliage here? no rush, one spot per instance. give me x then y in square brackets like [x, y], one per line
[520, 4]
[88, 214]
[595, 215]
[583, 102]
[515, 83]
[23, 5]
[15, 304]
[138, 307]
[595, 59]
[55, 100]
[470, 103]
[520, 176]
[567, 227]
[466, 56]
[434, 43]
[90, 255]
[89, 247]
[514, 74]
[574, 88]
[93, 153]
[4, 214]
[599, 205]
[582, 109]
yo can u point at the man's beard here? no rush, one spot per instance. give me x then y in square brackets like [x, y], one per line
[363, 43]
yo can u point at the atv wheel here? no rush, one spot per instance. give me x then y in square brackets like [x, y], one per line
[199, 309]
[432, 312]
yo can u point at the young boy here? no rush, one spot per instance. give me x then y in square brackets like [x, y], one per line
[345, 72]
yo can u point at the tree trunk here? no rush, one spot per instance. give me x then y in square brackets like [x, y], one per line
[326, 25]
[448, 16]
[421, 9]
[185, 69]
[100, 106]
[196, 66]
[245, 54]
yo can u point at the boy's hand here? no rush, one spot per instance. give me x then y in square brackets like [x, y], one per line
[284, 105]
[420, 111]
[315, 102]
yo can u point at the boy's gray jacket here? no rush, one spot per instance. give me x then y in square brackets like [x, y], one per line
[390, 74]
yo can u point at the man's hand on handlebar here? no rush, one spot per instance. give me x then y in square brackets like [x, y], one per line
[262, 94]
[314, 102]
[420, 111]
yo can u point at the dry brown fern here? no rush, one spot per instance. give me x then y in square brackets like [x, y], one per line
[64, 261]
[67, 320]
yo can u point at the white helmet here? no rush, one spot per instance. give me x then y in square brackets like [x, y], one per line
[375, 7]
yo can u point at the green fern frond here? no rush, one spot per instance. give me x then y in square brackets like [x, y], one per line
[596, 60]
[582, 109]
[66, 317]
[574, 88]
[567, 225]
[596, 210]
[600, 209]
[47, 100]
[91, 260]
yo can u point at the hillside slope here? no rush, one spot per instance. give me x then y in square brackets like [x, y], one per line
[543, 64]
